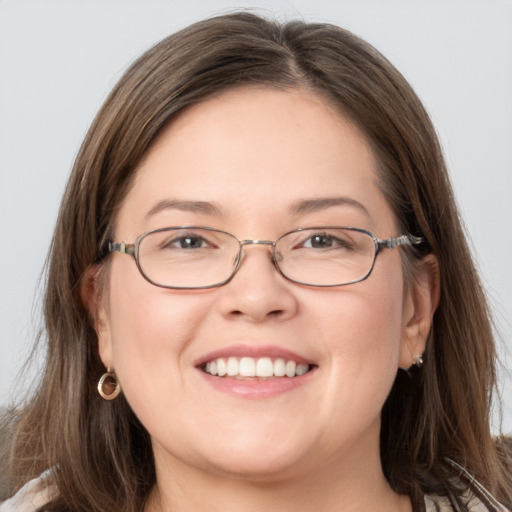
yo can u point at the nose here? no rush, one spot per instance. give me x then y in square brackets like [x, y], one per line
[258, 292]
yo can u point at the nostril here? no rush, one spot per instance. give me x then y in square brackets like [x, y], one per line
[274, 314]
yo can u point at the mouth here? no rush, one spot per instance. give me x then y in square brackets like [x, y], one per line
[254, 371]
[255, 368]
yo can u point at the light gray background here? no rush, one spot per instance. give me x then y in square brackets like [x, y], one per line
[58, 60]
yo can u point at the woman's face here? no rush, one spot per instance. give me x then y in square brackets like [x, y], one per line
[258, 163]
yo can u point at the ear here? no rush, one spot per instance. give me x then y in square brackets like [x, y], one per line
[420, 302]
[93, 295]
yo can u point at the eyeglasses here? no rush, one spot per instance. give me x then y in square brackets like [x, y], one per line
[191, 257]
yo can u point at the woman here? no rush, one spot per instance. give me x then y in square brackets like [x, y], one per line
[259, 294]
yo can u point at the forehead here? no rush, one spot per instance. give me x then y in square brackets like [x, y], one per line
[252, 152]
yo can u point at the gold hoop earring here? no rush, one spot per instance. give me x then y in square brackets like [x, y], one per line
[108, 386]
[418, 360]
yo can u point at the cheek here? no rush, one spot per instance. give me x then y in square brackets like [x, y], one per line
[367, 318]
[362, 331]
[364, 337]
[150, 330]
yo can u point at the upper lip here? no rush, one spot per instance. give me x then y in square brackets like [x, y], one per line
[255, 351]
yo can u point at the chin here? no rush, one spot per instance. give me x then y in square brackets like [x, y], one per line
[257, 467]
[257, 457]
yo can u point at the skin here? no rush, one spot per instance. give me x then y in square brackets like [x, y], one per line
[254, 154]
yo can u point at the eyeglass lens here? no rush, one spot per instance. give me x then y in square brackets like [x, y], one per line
[196, 257]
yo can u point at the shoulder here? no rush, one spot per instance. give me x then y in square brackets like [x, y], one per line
[476, 498]
[31, 497]
[471, 502]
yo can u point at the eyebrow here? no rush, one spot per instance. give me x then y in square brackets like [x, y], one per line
[204, 207]
[301, 207]
[314, 205]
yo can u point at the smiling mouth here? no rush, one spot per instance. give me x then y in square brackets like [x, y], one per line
[250, 367]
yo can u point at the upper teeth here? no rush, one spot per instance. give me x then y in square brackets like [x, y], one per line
[251, 367]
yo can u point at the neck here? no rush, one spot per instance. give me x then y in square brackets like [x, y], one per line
[358, 485]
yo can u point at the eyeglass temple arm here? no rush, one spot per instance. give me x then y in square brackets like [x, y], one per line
[122, 247]
[393, 242]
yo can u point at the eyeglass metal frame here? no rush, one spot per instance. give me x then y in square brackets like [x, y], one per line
[379, 244]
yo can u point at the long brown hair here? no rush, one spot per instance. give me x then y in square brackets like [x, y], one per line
[101, 453]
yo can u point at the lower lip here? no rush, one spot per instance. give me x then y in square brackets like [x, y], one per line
[249, 388]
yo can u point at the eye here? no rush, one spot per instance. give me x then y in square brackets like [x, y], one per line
[186, 241]
[326, 241]
[320, 241]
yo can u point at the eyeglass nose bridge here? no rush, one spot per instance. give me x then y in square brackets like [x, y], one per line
[256, 242]
[241, 253]
[243, 243]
